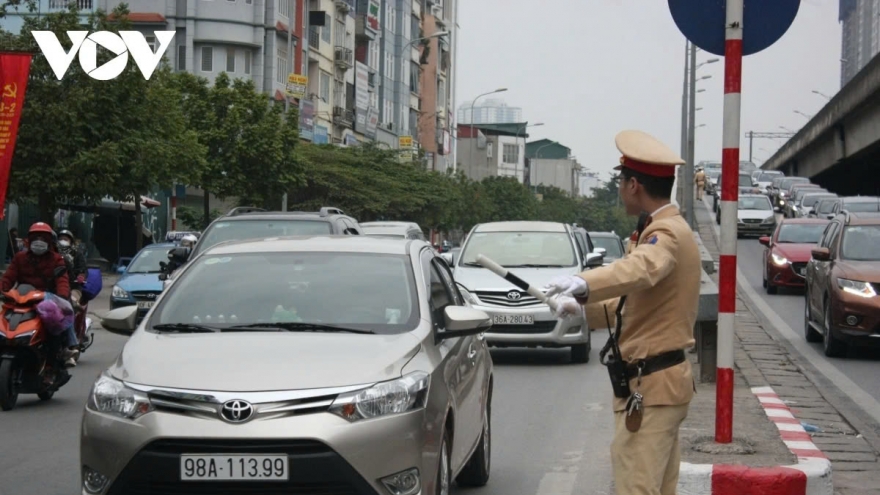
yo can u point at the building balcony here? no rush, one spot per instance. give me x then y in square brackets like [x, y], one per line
[343, 57]
[367, 25]
[63, 4]
[343, 117]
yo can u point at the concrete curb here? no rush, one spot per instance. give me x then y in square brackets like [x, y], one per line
[810, 476]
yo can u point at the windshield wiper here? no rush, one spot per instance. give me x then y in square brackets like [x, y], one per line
[472, 263]
[532, 265]
[185, 328]
[297, 327]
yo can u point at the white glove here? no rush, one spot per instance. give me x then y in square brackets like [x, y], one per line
[569, 285]
[566, 306]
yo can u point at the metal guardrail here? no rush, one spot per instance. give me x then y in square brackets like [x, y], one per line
[706, 327]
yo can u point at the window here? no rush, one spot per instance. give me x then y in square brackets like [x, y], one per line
[374, 56]
[283, 7]
[281, 58]
[414, 78]
[207, 59]
[510, 249]
[440, 296]
[800, 233]
[760, 203]
[441, 94]
[325, 33]
[340, 33]
[338, 93]
[247, 61]
[181, 57]
[415, 28]
[151, 42]
[860, 244]
[389, 66]
[391, 20]
[230, 60]
[388, 114]
[510, 153]
[325, 87]
[489, 149]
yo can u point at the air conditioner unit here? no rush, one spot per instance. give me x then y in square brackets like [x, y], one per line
[343, 6]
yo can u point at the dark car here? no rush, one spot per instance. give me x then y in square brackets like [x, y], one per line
[251, 223]
[792, 209]
[610, 244]
[824, 208]
[842, 282]
[779, 197]
[788, 251]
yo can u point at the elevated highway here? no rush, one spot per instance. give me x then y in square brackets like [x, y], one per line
[839, 148]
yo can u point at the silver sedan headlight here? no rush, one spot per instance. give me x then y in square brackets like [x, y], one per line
[403, 395]
[111, 396]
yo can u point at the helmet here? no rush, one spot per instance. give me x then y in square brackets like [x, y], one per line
[188, 240]
[65, 232]
[41, 227]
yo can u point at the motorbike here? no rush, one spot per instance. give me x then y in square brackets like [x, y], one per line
[29, 356]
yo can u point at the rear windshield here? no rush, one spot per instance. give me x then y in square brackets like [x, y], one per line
[745, 180]
[767, 177]
[244, 230]
[611, 246]
[811, 200]
[826, 206]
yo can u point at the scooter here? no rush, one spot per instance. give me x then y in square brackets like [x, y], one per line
[29, 357]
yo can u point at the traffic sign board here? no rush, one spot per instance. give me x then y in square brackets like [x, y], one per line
[703, 21]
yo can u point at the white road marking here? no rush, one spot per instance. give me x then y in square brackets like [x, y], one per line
[557, 484]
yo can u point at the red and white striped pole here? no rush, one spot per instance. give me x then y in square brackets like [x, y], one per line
[174, 207]
[729, 199]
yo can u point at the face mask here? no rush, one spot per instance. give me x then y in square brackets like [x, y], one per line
[39, 247]
[64, 244]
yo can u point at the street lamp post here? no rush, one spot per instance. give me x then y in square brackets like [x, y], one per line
[823, 95]
[516, 139]
[809, 117]
[538, 155]
[473, 137]
[689, 159]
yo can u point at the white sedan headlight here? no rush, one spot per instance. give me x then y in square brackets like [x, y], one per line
[468, 296]
[403, 395]
[119, 293]
[779, 260]
[111, 396]
[863, 289]
[770, 219]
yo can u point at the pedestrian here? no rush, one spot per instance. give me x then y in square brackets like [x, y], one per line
[660, 287]
[700, 181]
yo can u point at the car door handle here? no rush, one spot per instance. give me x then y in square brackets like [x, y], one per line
[472, 352]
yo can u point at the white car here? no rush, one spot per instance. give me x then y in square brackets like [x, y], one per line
[755, 216]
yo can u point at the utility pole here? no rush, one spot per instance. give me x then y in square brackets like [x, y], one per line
[766, 135]
[291, 17]
[684, 119]
[688, 184]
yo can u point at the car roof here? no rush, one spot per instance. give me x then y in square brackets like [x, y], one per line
[306, 244]
[804, 220]
[389, 224]
[386, 229]
[860, 199]
[160, 245]
[754, 196]
[604, 234]
[863, 218]
[521, 226]
[280, 215]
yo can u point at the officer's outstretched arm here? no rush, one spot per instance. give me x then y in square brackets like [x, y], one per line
[645, 266]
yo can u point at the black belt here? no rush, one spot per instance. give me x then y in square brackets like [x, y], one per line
[656, 363]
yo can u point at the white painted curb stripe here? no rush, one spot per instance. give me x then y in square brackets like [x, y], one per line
[695, 479]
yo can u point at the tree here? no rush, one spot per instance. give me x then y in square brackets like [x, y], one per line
[251, 144]
[510, 200]
[81, 140]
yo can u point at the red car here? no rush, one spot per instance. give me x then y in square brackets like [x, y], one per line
[788, 251]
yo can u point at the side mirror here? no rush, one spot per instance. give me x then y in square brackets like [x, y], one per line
[461, 321]
[122, 319]
[120, 270]
[601, 251]
[764, 240]
[830, 216]
[594, 260]
[821, 254]
[448, 258]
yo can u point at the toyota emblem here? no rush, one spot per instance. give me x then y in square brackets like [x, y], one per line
[514, 295]
[236, 411]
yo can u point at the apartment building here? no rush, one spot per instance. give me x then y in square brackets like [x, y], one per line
[490, 150]
[489, 111]
[364, 61]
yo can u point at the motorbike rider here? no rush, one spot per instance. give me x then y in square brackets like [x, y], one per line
[188, 241]
[77, 268]
[45, 269]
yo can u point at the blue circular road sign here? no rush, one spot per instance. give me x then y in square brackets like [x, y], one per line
[703, 21]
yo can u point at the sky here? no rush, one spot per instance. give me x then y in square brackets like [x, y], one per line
[589, 69]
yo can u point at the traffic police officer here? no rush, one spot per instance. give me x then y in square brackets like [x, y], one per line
[660, 278]
[700, 181]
